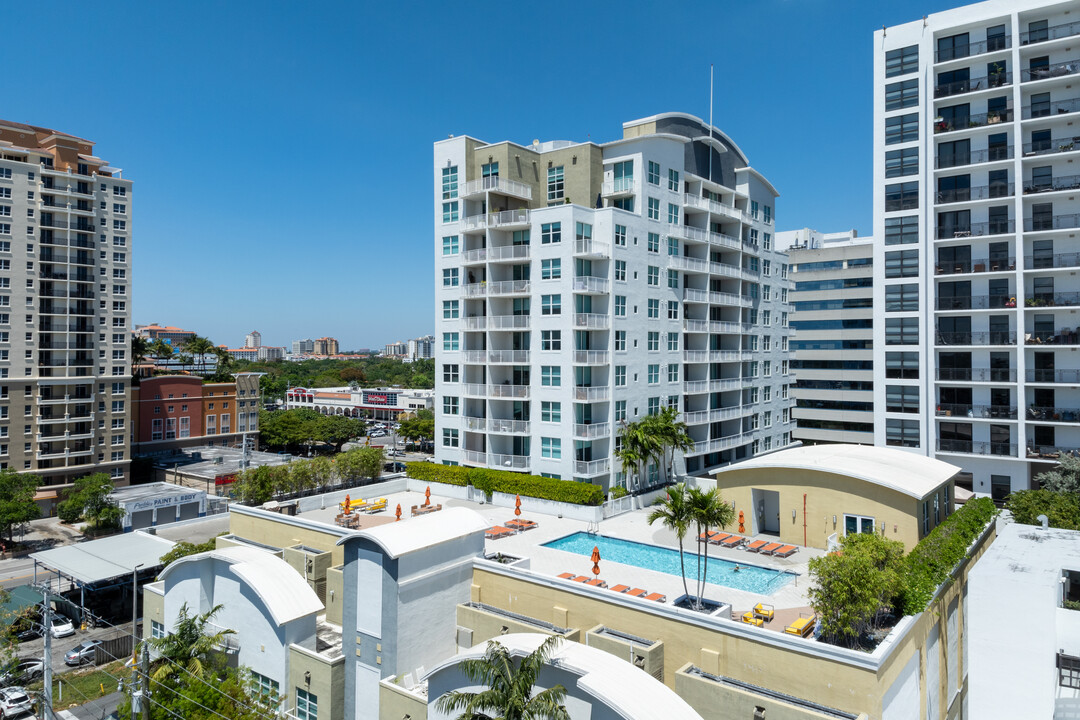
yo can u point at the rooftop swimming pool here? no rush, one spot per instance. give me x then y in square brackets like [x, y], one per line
[751, 578]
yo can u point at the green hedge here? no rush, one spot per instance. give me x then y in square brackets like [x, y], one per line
[1062, 509]
[929, 563]
[511, 483]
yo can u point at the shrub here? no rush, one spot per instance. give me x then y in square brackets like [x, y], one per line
[511, 483]
[434, 472]
[1062, 509]
[619, 492]
[929, 563]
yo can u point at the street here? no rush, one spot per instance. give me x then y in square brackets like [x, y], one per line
[20, 571]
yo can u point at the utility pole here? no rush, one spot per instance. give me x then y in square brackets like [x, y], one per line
[46, 693]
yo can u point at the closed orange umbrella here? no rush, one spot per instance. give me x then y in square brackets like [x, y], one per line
[348, 505]
[517, 505]
[596, 560]
[427, 496]
[398, 512]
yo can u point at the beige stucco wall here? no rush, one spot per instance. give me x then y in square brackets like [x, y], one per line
[282, 534]
[327, 681]
[335, 589]
[153, 607]
[827, 494]
[583, 171]
[395, 703]
[485, 625]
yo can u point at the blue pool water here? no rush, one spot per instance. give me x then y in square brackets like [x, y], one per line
[751, 578]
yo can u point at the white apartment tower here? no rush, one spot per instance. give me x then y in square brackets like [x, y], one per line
[253, 339]
[65, 263]
[976, 145]
[580, 285]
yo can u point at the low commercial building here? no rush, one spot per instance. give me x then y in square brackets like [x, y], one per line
[159, 503]
[812, 495]
[170, 412]
[377, 403]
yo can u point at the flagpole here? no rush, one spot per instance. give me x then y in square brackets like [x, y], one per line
[710, 119]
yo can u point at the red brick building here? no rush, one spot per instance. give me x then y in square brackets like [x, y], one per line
[177, 411]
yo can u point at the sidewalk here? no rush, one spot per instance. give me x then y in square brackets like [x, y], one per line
[96, 709]
[45, 533]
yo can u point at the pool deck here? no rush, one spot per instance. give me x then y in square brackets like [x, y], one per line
[629, 526]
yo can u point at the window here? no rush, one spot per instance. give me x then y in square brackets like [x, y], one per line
[653, 244]
[620, 341]
[672, 214]
[904, 263]
[902, 128]
[653, 308]
[901, 94]
[550, 233]
[550, 411]
[754, 209]
[450, 437]
[449, 183]
[653, 175]
[673, 341]
[551, 448]
[901, 61]
[307, 705]
[450, 277]
[620, 306]
[902, 398]
[902, 230]
[450, 245]
[902, 365]
[654, 209]
[620, 235]
[653, 275]
[620, 375]
[583, 232]
[550, 375]
[673, 372]
[673, 310]
[673, 279]
[157, 630]
[654, 406]
[555, 185]
[551, 304]
[551, 339]
[620, 270]
[450, 341]
[653, 374]
[902, 196]
[450, 309]
[654, 341]
[450, 373]
[620, 410]
[901, 298]
[904, 433]
[551, 269]
[902, 331]
[899, 163]
[673, 180]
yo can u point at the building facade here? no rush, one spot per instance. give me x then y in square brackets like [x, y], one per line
[326, 346]
[65, 236]
[173, 335]
[303, 347]
[975, 199]
[270, 352]
[580, 286]
[421, 348]
[833, 321]
[253, 339]
[170, 412]
[378, 403]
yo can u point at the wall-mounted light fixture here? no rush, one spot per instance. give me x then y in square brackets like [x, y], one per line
[792, 514]
[307, 677]
[833, 519]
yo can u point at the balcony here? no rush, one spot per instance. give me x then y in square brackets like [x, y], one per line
[503, 219]
[507, 390]
[1059, 260]
[1003, 42]
[979, 192]
[509, 427]
[1048, 147]
[1045, 300]
[508, 462]
[508, 287]
[979, 229]
[62, 399]
[1049, 452]
[715, 326]
[77, 417]
[503, 357]
[475, 423]
[591, 321]
[997, 337]
[589, 285]
[474, 457]
[1001, 264]
[507, 252]
[591, 431]
[1048, 109]
[1066, 336]
[475, 356]
[1065, 182]
[996, 375]
[508, 322]
[974, 157]
[724, 443]
[997, 412]
[969, 447]
[474, 257]
[1053, 414]
[617, 187]
[495, 184]
[591, 357]
[718, 385]
[592, 248]
[976, 302]
[1053, 376]
[702, 356]
[1051, 33]
[474, 389]
[591, 468]
[592, 394]
[1060, 69]
[973, 84]
[1041, 223]
[716, 415]
[702, 203]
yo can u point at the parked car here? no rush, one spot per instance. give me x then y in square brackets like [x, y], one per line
[394, 467]
[14, 701]
[27, 625]
[83, 652]
[22, 671]
[62, 627]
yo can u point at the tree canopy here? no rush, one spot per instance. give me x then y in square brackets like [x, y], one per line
[17, 504]
[281, 375]
[1065, 477]
[89, 499]
[302, 426]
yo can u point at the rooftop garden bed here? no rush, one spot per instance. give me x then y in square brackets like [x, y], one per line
[511, 483]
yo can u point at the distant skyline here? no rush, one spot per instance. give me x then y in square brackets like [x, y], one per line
[281, 152]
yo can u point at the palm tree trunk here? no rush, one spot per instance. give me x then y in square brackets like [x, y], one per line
[704, 575]
[682, 565]
[697, 578]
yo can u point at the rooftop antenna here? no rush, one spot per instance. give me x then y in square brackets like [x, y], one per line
[710, 119]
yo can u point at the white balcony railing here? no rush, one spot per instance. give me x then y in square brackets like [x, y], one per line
[475, 356]
[591, 467]
[508, 322]
[508, 252]
[592, 321]
[592, 248]
[475, 423]
[591, 357]
[476, 323]
[591, 431]
[475, 457]
[592, 393]
[589, 284]
[508, 287]
[511, 462]
[508, 391]
[475, 389]
[508, 356]
[517, 427]
[496, 184]
[618, 186]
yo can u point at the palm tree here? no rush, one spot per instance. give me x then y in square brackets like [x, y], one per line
[707, 509]
[198, 347]
[639, 445]
[670, 433]
[673, 510]
[509, 687]
[140, 348]
[189, 645]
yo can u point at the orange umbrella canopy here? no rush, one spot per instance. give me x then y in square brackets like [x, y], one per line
[427, 495]
[517, 505]
[397, 513]
[596, 560]
[348, 505]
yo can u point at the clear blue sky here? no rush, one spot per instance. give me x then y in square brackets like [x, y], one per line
[281, 151]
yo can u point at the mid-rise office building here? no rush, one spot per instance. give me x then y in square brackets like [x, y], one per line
[582, 285]
[421, 348]
[832, 318]
[975, 200]
[65, 330]
[303, 347]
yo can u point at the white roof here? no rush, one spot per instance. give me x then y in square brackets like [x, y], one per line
[98, 560]
[286, 595]
[399, 538]
[900, 470]
[629, 691]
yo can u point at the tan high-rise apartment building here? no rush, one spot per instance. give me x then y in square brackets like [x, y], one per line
[65, 234]
[326, 346]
